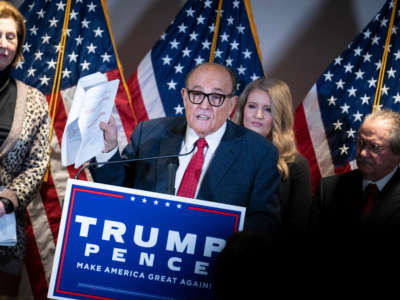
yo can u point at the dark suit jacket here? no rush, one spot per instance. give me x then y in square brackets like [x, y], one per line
[295, 194]
[242, 172]
[338, 202]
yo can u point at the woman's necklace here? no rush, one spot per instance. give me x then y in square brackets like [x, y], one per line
[5, 84]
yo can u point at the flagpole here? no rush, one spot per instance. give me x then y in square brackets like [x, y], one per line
[57, 79]
[378, 91]
[216, 31]
[253, 28]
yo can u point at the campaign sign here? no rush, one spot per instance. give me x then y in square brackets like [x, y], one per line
[120, 243]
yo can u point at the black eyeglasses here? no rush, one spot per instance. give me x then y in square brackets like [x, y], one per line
[214, 99]
[373, 147]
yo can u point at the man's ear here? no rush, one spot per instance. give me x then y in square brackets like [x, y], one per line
[183, 93]
[234, 101]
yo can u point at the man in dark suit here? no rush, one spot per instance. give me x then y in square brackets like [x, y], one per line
[238, 166]
[363, 203]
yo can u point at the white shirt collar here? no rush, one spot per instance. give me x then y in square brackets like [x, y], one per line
[381, 182]
[212, 139]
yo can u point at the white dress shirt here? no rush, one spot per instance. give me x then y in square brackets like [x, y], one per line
[191, 137]
[381, 182]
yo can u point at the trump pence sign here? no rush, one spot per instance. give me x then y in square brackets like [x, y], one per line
[120, 243]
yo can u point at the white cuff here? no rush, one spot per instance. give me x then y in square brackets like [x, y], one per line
[103, 157]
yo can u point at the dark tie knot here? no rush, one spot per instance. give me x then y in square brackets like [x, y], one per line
[371, 189]
[201, 143]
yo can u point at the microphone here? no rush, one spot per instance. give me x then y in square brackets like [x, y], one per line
[124, 161]
[172, 167]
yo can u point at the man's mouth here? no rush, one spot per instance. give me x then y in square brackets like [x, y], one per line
[202, 117]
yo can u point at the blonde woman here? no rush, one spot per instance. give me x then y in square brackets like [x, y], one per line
[265, 106]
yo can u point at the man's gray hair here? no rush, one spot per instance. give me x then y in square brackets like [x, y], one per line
[394, 118]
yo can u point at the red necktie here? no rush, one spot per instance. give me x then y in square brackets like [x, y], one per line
[371, 190]
[192, 173]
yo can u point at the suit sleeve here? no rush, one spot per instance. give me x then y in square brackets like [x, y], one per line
[296, 210]
[263, 212]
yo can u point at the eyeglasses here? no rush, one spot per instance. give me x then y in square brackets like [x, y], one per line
[373, 147]
[214, 99]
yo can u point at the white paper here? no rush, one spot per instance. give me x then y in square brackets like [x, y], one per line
[93, 102]
[8, 230]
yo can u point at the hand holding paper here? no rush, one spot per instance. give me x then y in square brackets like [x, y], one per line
[110, 134]
[93, 102]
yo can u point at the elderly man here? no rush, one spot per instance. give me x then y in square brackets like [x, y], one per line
[366, 200]
[230, 165]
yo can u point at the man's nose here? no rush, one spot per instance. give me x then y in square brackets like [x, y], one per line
[363, 151]
[205, 104]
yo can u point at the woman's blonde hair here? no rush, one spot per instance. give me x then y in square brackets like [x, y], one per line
[7, 10]
[282, 134]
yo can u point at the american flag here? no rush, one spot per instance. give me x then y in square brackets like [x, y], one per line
[187, 42]
[327, 121]
[88, 49]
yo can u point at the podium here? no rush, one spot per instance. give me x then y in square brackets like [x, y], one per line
[121, 243]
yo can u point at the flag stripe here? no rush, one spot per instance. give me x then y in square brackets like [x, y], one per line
[147, 83]
[303, 140]
[45, 234]
[34, 266]
[125, 120]
[317, 133]
[134, 89]
[25, 289]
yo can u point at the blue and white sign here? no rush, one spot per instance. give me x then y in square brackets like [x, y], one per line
[120, 243]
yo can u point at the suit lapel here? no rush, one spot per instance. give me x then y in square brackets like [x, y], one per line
[225, 155]
[170, 144]
[389, 196]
